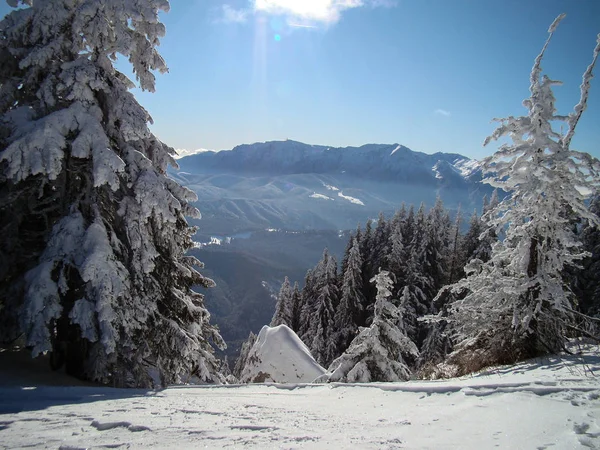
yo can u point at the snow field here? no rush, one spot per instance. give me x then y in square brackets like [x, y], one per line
[546, 404]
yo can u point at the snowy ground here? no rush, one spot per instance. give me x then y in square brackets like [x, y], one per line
[544, 404]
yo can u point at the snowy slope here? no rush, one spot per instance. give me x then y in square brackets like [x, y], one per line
[279, 356]
[549, 403]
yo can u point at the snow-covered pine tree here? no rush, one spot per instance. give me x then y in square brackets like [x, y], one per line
[323, 345]
[518, 304]
[457, 256]
[472, 242]
[351, 300]
[413, 302]
[284, 307]
[378, 247]
[588, 277]
[366, 242]
[240, 363]
[308, 306]
[422, 266]
[346, 255]
[381, 352]
[296, 308]
[94, 233]
[397, 252]
[408, 227]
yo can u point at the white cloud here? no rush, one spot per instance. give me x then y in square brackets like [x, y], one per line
[325, 11]
[231, 15]
[442, 112]
[299, 13]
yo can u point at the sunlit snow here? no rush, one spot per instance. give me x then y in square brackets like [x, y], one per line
[320, 196]
[278, 355]
[546, 403]
[350, 199]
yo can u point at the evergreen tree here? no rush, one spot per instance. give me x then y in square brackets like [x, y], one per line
[296, 308]
[240, 363]
[367, 272]
[527, 303]
[323, 346]
[589, 275]
[436, 249]
[308, 306]
[381, 352]
[408, 227]
[284, 307]
[351, 301]
[358, 237]
[413, 301]
[472, 247]
[94, 231]
[457, 257]
[397, 253]
[377, 257]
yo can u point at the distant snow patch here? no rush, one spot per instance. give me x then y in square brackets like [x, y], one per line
[395, 150]
[213, 241]
[350, 199]
[331, 188]
[466, 166]
[320, 196]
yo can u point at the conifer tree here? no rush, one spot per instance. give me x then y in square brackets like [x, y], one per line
[351, 300]
[94, 232]
[323, 345]
[381, 352]
[436, 251]
[457, 258]
[308, 306]
[472, 247]
[240, 363]
[296, 308]
[284, 308]
[527, 303]
[588, 277]
[379, 244]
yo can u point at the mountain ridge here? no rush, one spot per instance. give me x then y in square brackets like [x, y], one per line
[390, 162]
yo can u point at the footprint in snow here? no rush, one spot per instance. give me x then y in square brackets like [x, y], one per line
[103, 426]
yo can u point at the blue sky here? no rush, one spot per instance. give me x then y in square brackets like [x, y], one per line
[429, 74]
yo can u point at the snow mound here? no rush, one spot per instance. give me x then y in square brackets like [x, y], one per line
[279, 356]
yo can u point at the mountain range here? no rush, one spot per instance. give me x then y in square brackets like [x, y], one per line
[295, 186]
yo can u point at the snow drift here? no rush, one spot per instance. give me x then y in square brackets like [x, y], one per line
[279, 356]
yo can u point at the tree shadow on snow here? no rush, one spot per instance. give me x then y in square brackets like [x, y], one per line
[578, 364]
[28, 384]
